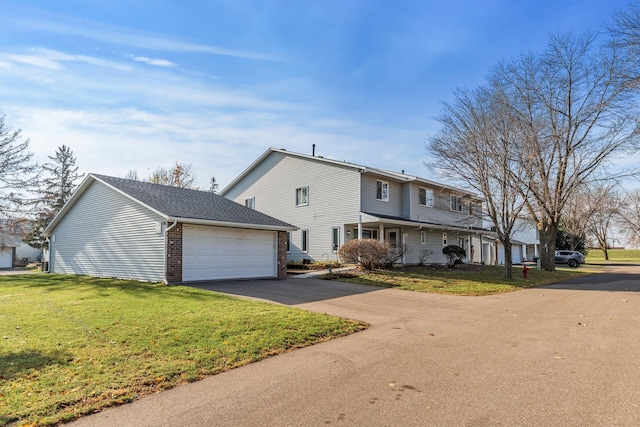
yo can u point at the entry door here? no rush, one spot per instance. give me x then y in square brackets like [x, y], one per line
[392, 235]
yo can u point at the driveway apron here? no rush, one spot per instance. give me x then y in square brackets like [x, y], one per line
[562, 355]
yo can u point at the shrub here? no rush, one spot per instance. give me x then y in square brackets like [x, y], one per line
[454, 254]
[370, 253]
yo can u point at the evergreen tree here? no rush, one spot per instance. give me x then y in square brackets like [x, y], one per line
[57, 186]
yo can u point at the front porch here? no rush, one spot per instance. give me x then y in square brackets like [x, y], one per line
[424, 240]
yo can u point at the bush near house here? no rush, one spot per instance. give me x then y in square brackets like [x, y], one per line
[454, 254]
[371, 254]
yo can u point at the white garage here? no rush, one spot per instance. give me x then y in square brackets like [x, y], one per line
[6, 258]
[114, 227]
[212, 253]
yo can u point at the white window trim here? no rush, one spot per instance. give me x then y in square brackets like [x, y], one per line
[444, 239]
[458, 207]
[288, 244]
[429, 202]
[423, 237]
[335, 239]
[301, 189]
[250, 203]
[304, 235]
[384, 196]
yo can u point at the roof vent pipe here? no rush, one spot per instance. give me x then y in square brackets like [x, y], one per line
[313, 150]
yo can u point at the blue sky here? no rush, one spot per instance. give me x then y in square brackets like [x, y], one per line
[141, 84]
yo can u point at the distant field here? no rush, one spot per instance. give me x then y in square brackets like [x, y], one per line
[622, 255]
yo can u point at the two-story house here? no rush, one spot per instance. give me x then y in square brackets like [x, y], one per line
[333, 202]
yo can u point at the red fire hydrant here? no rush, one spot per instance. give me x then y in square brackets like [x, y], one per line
[525, 271]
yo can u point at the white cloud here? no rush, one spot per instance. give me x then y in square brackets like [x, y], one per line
[150, 61]
[132, 38]
[35, 60]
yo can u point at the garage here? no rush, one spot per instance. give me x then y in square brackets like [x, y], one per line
[6, 258]
[213, 253]
[115, 227]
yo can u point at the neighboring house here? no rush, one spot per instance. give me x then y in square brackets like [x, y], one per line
[114, 227]
[333, 202]
[8, 246]
[525, 244]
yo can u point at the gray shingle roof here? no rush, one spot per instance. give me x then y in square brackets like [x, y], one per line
[190, 204]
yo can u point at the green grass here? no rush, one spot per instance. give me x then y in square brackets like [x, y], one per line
[481, 280]
[617, 255]
[72, 345]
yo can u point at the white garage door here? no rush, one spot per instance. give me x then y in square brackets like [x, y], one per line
[5, 258]
[227, 253]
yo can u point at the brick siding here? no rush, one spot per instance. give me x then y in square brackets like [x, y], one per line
[282, 254]
[174, 254]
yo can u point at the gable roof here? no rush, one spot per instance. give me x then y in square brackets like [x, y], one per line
[179, 204]
[401, 177]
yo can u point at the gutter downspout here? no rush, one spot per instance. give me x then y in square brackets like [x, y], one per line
[166, 250]
[49, 260]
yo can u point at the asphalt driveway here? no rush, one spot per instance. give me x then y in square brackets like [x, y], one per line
[562, 355]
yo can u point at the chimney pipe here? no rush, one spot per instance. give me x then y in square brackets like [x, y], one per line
[313, 150]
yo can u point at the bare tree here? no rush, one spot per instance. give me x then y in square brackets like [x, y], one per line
[18, 174]
[476, 146]
[603, 207]
[573, 114]
[132, 175]
[181, 175]
[628, 220]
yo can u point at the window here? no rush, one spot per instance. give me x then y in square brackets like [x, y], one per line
[367, 234]
[426, 197]
[250, 203]
[335, 238]
[423, 237]
[382, 191]
[305, 241]
[302, 196]
[461, 242]
[456, 203]
[444, 239]
[288, 242]
[472, 209]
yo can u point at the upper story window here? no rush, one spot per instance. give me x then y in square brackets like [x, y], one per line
[302, 196]
[456, 203]
[250, 203]
[382, 191]
[426, 197]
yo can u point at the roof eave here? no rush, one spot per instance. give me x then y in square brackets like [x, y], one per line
[198, 221]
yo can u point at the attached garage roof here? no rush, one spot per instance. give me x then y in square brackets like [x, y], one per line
[181, 204]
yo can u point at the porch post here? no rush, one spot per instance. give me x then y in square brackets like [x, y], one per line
[360, 227]
[381, 232]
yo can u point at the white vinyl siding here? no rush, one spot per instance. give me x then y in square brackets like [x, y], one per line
[372, 205]
[336, 198]
[106, 234]
[6, 258]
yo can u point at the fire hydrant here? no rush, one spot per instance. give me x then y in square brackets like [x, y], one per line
[525, 271]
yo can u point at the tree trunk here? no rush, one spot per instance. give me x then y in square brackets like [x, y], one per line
[606, 254]
[508, 270]
[548, 234]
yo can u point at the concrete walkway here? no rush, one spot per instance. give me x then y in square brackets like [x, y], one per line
[564, 355]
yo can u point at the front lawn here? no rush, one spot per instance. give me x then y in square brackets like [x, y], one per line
[71, 345]
[615, 255]
[464, 280]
